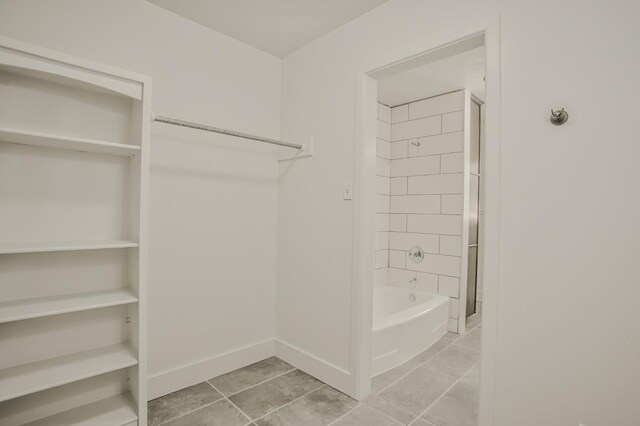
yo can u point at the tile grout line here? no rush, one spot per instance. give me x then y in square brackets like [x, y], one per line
[419, 365]
[191, 411]
[232, 403]
[323, 384]
[444, 393]
[390, 403]
[249, 387]
[451, 343]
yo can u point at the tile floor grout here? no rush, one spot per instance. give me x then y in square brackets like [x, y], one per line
[379, 411]
[292, 401]
[231, 402]
[248, 387]
[443, 394]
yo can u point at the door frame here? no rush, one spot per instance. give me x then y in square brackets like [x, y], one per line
[364, 202]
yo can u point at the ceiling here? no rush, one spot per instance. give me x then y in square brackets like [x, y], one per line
[275, 26]
[462, 71]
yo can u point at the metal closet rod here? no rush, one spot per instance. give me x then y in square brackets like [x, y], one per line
[191, 125]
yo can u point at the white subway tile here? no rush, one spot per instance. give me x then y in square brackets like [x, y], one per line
[383, 149]
[451, 204]
[449, 286]
[427, 282]
[384, 185]
[437, 105]
[383, 167]
[382, 222]
[398, 222]
[412, 148]
[382, 259]
[415, 166]
[435, 224]
[398, 150]
[438, 264]
[435, 184]
[382, 204]
[402, 277]
[452, 163]
[380, 277]
[398, 186]
[405, 240]
[452, 122]
[451, 245]
[425, 204]
[453, 325]
[384, 130]
[399, 114]
[381, 241]
[384, 113]
[397, 259]
[416, 128]
[454, 308]
[441, 144]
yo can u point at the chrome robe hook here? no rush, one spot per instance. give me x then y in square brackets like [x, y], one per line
[559, 117]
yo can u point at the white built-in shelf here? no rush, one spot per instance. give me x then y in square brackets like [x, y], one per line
[55, 305]
[117, 410]
[37, 376]
[43, 247]
[24, 137]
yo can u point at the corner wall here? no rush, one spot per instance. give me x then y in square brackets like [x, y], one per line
[211, 308]
[569, 198]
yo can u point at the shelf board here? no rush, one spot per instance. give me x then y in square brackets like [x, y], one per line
[117, 410]
[37, 376]
[24, 137]
[64, 304]
[43, 247]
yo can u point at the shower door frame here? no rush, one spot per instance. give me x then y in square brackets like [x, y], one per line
[363, 217]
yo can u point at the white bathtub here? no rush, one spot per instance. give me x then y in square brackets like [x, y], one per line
[402, 327]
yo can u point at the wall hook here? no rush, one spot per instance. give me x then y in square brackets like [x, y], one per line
[559, 117]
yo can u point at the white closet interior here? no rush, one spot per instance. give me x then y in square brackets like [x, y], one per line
[74, 155]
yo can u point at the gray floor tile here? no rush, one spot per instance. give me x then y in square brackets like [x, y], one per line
[421, 422]
[474, 374]
[471, 340]
[180, 402]
[458, 407]
[418, 390]
[266, 397]
[319, 408]
[221, 413]
[365, 416]
[382, 380]
[450, 336]
[250, 375]
[433, 350]
[389, 409]
[455, 360]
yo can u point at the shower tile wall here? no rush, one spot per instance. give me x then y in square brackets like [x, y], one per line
[426, 202]
[383, 171]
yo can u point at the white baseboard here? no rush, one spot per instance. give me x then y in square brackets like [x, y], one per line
[320, 369]
[190, 374]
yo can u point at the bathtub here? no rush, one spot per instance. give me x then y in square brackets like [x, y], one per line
[405, 322]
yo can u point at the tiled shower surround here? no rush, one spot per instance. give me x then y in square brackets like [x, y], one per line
[420, 196]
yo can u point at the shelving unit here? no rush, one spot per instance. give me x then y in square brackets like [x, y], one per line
[74, 165]
[66, 142]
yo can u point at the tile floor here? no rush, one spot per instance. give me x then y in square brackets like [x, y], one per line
[438, 387]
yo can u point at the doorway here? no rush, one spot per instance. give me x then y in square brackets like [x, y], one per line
[470, 239]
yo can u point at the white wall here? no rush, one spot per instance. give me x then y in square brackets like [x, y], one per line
[213, 200]
[568, 344]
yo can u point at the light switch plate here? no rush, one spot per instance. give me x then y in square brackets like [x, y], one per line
[347, 191]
